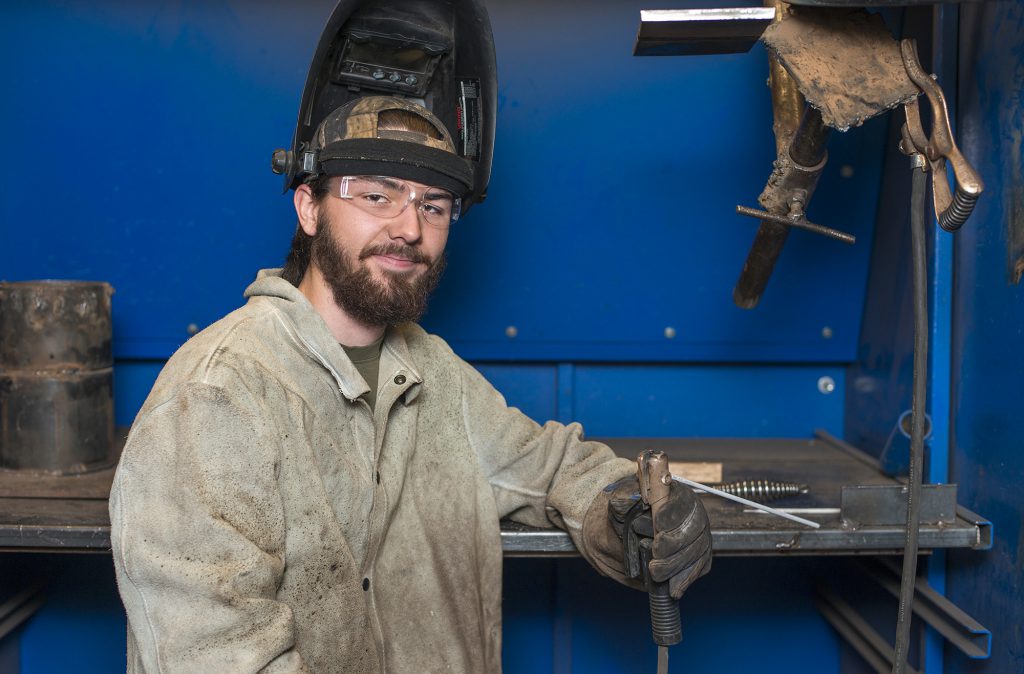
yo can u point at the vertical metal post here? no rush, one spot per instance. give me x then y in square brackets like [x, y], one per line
[944, 49]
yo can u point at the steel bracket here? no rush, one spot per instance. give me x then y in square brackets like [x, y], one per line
[880, 505]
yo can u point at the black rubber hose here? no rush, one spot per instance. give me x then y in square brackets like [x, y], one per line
[917, 418]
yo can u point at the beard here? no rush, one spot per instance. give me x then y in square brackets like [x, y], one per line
[395, 299]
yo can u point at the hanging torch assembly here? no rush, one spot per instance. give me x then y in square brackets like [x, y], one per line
[842, 67]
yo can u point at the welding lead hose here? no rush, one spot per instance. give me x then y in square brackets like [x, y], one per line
[917, 415]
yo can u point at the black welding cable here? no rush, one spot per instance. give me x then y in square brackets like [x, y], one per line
[920, 275]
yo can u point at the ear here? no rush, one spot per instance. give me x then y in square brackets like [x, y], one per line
[306, 208]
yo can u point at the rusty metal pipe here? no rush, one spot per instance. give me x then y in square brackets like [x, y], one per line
[787, 101]
[787, 193]
[56, 376]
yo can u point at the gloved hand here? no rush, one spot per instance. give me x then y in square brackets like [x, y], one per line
[681, 549]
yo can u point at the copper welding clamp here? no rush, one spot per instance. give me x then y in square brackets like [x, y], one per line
[638, 535]
[952, 208]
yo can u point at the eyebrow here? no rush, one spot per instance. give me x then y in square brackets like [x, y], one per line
[438, 194]
[386, 182]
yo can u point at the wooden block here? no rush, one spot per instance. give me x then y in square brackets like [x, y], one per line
[703, 472]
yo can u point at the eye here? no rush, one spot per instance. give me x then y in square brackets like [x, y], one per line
[438, 208]
[376, 199]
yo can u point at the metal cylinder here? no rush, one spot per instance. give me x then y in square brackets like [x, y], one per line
[56, 376]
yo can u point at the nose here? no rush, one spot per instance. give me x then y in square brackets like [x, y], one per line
[406, 225]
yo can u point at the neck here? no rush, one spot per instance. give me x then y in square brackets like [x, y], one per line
[346, 330]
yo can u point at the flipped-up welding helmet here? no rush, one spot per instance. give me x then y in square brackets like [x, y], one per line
[435, 53]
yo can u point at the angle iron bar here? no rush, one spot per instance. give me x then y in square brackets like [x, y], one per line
[852, 627]
[972, 638]
[856, 453]
[982, 525]
[19, 608]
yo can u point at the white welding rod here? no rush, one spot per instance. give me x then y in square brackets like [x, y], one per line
[740, 499]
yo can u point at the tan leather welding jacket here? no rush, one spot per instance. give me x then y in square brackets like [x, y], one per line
[265, 520]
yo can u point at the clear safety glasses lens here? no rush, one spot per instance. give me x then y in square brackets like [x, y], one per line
[389, 197]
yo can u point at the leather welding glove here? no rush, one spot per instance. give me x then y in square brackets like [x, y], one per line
[681, 549]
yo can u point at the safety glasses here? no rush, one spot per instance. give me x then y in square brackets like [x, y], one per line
[387, 197]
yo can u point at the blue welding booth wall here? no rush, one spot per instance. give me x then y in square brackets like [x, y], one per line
[609, 242]
[139, 137]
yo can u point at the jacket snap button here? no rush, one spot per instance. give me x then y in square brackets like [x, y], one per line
[366, 584]
[400, 379]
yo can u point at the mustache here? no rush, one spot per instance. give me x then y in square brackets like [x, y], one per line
[395, 249]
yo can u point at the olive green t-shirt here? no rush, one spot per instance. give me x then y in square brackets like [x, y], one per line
[367, 361]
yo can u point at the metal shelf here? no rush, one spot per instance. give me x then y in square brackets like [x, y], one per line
[46, 513]
[825, 464]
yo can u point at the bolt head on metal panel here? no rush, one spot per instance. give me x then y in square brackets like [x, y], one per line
[688, 32]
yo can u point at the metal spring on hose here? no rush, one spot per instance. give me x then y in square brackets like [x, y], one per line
[956, 213]
[761, 490]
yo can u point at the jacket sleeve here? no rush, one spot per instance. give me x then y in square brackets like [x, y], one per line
[198, 537]
[540, 475]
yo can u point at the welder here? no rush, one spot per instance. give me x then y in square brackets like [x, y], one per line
[315, 483]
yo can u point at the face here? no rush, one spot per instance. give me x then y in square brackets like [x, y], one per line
[381, 271]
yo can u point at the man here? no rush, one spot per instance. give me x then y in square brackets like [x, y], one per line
[315, 483]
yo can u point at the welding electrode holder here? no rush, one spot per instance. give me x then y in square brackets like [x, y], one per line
[952, 207]
[655, 481]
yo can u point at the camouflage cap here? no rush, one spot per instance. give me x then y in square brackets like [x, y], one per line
[350, 141]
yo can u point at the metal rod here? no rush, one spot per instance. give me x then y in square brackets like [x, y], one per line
[747, 502]
[800, 224]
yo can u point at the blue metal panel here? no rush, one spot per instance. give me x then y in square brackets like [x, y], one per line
[610, 217]
[132, 381]
[709, 401]
[156, 120]
[879, 383]
[531, 388]
[766, 604]
[988, 358]
[82, 626]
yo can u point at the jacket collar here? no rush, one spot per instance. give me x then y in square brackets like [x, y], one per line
[312, 333]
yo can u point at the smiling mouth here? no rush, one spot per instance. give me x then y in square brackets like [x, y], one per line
[396, 263]
[399, 255]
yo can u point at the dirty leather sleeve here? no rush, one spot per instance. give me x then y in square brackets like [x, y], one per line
[539, 475]
[198, 536]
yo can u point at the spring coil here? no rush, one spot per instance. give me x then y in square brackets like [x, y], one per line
[957, 213]
[761, 490]
[666, 626]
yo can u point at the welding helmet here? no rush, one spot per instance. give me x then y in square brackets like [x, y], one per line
[438, 54]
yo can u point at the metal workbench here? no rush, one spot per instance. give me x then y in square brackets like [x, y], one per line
[47, 513]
